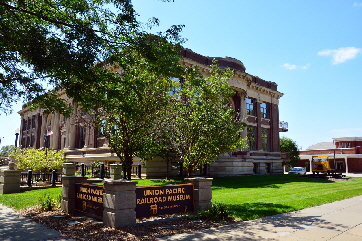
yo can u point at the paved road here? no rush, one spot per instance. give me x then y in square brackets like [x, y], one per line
[14, 227]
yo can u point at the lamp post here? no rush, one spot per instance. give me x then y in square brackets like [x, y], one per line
[17, 130]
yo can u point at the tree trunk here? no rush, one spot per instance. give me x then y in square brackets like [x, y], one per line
[189, 172]
[128, 162]
[129, 172]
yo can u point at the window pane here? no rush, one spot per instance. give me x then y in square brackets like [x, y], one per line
[250, 106]
[264, 110]
[251, 137]
[265, 139]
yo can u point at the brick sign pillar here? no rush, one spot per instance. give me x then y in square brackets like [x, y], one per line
[68, 191]
[10, 180]
[119, 202]
[202, 192]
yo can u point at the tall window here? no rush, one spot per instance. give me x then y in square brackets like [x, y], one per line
[264, 110]
[64, 142]
[33, 122]
[250, 106]
[251, 136]
[265, 139]
[82, 136]
[29, 124]
[102, 128]
[32, 139]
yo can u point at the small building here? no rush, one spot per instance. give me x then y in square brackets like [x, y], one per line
[345, 153]
[255, 99]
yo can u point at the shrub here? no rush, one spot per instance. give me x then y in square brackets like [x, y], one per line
[217, 212]
[47, 203]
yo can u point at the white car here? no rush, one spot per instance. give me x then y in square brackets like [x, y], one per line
[297, 170]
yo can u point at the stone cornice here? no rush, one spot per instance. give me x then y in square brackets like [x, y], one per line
[241, 81]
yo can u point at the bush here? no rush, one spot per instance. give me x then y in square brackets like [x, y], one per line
[217, 212]
[47, 203]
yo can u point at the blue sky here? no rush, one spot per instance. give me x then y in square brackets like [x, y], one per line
[311, 49]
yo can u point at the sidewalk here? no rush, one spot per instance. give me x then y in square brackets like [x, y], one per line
[14, 227]
[337, 221]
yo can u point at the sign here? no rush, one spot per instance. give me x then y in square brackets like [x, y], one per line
[89, 199]
[164, 200]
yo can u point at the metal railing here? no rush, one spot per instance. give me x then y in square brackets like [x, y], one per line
[102, 171]
[40, 178]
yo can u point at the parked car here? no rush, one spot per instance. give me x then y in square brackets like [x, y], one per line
[297, 170]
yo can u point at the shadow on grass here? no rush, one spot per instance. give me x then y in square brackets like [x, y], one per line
[260, 181]
[249, 211]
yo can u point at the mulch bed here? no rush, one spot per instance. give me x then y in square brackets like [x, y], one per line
[81, 228]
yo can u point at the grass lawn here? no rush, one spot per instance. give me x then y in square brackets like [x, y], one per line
[247, 197]
[258, 196]
[28, 198]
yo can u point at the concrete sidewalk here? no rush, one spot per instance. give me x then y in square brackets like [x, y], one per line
[14, 227]
[340, 220]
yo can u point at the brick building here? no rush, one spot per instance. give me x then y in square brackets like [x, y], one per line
[256, 101]
[345, 155]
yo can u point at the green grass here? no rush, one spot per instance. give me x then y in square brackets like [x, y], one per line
[258, 196]
[246, 197]
[28, 198]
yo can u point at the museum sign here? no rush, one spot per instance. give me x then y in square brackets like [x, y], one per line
[89, 199]
[164, 200]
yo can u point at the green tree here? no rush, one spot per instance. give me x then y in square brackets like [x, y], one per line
[6, 150]
[41, 159]
[201, 125]
[56, 44]
[290, 146]
[126, 105]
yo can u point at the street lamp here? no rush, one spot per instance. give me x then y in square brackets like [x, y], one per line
[17, 130]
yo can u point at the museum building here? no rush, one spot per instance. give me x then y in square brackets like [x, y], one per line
[255, 99]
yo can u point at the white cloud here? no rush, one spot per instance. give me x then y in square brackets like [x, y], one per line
[340, 55]
[293, 66]
[356, 4]
[305, 66]
[289, 66]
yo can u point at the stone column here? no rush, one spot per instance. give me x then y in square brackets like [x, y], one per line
[10, 180]
[119, 201]
[71, 132]
[55, 129]
[115, 171]
[243, 112]
[68, 191]
[43, 129]
[202, 192]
